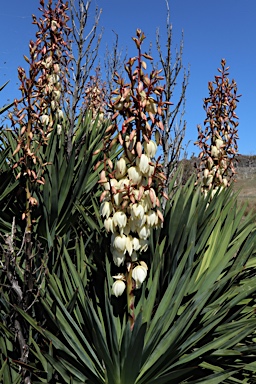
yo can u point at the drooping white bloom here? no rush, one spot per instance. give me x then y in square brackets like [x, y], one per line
[136, 224]
[120, 219]
[214, 151]
[106, 209]
[150, 148]
[118, 257]
[134, 175]
[60, 114]
[119, 242]
[118, 197]
[59, 129]
[118, 287]
[144, 164]
[110, 183]
[151, 170]
[122, 183]
[109, 225]
[219, 143]
[139, 274]
[152, 218]
[45, 119]
[56, 95]
[54, 105]
[143, 232]
[135, 244]
[137, 211]
[120, 168]
[129, 244]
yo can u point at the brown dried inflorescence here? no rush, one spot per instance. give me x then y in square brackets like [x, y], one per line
[218, 140]
[39, 110]
[95, 99]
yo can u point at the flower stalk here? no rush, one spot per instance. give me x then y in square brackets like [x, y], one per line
[130, 204]
[218, 140]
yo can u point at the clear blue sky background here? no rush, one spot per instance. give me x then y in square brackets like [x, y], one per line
[212, 30]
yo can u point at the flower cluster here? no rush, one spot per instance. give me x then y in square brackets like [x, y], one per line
[95, 97]
[51, 110]
[129, 202]
[218, 140]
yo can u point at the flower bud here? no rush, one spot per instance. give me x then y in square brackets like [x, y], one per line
[60, 114]
[158, 137]
[225, 182]
[59, 129]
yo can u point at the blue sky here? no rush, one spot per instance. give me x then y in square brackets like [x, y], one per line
[212, 31]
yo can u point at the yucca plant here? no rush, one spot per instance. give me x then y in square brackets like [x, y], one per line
[195, 315]
[193, 318]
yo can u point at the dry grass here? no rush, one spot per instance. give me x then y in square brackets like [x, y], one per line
[246, 185]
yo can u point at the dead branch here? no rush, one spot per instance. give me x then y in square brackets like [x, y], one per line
[173, 119]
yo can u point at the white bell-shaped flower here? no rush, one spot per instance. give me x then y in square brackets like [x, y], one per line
[119, 242]
[139, 274]
[219, 143]
[144, 164]
[118, 287]
[214, 151]
[135, 175]
[106, 209]
[152, 218]
[129, 244]
[135, 244]
[137, 211]
[45, 119]
[150, 148]
[143, 232]
[118, 257]
[120, 168]
[118, 198]
[120, 219]
[109, 225]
